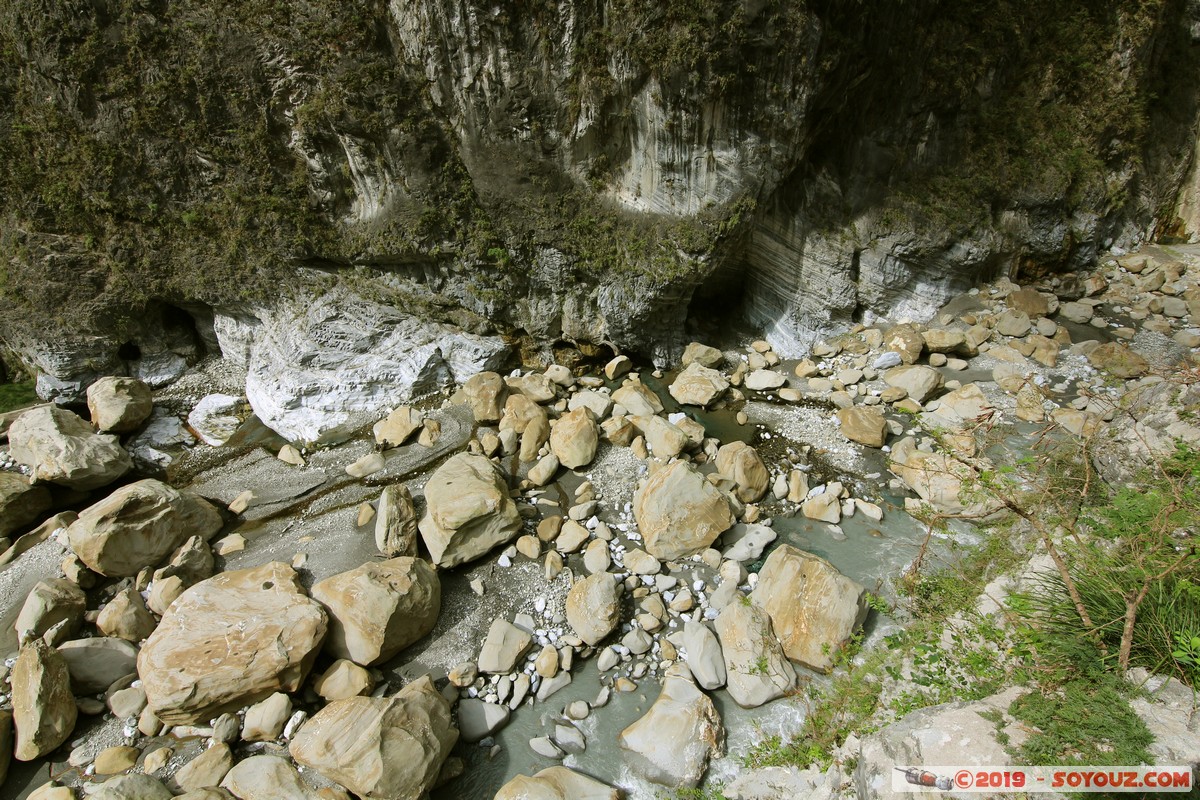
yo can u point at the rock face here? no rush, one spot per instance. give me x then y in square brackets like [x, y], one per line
[21, 503]
[378, 609]
[679, 513]
[43, 707]
[119, 405]
[322, 362]
[61, 448]
[469, 510]
[594, 607]
[380, 747]
[230, 641]
[672, 743]
[556, 783]
[138, 525]
[814, 609]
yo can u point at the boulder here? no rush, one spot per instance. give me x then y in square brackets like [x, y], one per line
[704, 657]
[961, 409]
[61, 448]
[1013, 323]
[698, 385]
[536, 386]
[599, 403]
[1118, 360]
[216, 418]
[343, 679]
[138, 525]
[384, 747]
[865, 425]
[761, 380]
[132, 787]
[742, 463]
[672, 743]
[396, 522]
[44, 710]
[918, 380]
[97, 663]
[679, 513]
[939, 479]
[594, 607]
[21, 503]
[119, 405]
[485, 394]
[1029, 302]
[468, 510]
[504, 645]
[756, 669]
[380, 608]
[638, 400]
[126, 616]
[814, 609]
[230, 641]
[574, 438]
[905, 341]
[745, 542]
[556, 783]
[267, 778]
[50, 603]
[398, 426]
[266, 719]
[664, 439]
[702, 354]
[206, 769]
[477, 719]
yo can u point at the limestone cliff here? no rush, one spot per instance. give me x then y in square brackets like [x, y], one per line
[583, 171]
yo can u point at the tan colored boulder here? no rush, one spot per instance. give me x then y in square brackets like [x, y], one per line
[132, 787]
[672, 743]
[918, 380]
[21, 503]
[50, 603]
[119, 405]
[939, 479]
[380, 608]
[679, 513]
[1118, 360]
[61, 448]
[574, 438]
[906, 341]
[343, 679]
[44, 710]
[138, 525]
[702, 354]
[398, 427]
[963, 408]
[485, 394]
[207, 769]
[230, 641]
[742, 463]
[865, 425]
[384, 747]
[267, 778]
[664, 439]
[1029, 301]
[98, 662]
[594, 607]
[638, 400]
[814, 609]
[504, 645]
[556, 783]
[396, 522]
[468, 510]
[698, 385]
[756, 669]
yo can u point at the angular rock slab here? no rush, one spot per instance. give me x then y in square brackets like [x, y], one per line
[672, 743]
[49, 603]
[679, 513]
[505, 643]
[21, 503]
[61, 448]
[594, 606]
[396, 522]
[698, 385]
[44, 710]
[385, 747]
[230, 641]
[138, 525]
[574, 438]
[745, 466]
[556, 783]
[378, 609]
[756, 669]
[119, 405]
[814, 609]
[468, 510]
[267, 778]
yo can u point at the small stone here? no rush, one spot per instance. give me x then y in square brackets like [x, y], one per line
[367, 465]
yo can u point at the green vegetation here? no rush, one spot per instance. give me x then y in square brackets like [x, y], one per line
[1084, 721]
[17, 395]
